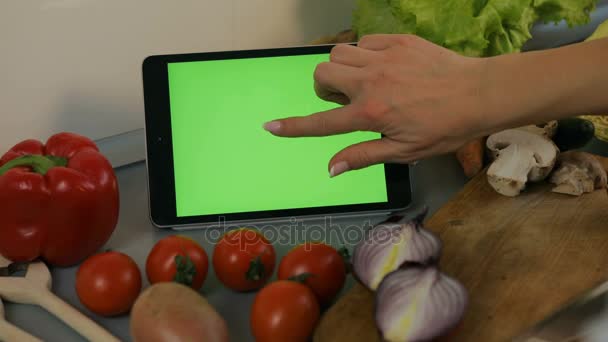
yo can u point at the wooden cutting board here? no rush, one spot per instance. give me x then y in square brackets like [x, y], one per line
[520, 259]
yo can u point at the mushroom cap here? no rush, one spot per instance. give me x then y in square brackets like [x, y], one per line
[578, 172]
[521, 156]
[571, 179]
[588, 162]
[547, 129]
[544, 150]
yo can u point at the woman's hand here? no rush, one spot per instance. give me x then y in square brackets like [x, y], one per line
[425, 99]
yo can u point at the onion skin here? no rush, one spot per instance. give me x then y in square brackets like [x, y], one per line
[388, 246]
[167, 312]
[419, 303]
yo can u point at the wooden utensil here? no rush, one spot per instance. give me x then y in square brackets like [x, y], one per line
[35, 289]
[9, 332]
[520, 259]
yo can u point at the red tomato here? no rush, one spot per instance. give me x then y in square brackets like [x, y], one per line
[180, 259]
[284, 311]
[243, 259]
[324, 265]
[108, 283]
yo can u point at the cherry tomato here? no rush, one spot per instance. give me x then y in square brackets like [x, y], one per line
[180, 259]
[284, 310]
[108, 283]
[324, 269]
[243, 259]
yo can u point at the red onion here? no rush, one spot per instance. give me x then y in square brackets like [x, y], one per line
[389, 245]
[418, 303]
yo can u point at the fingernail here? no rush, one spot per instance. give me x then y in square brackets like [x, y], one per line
[272, 126]
[338, 169]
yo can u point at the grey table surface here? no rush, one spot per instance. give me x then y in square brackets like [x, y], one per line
[434, 181]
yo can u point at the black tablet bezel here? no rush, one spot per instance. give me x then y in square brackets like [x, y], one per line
[159, 149]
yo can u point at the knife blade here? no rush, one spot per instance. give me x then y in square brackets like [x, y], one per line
[13, 268]
[583, 320]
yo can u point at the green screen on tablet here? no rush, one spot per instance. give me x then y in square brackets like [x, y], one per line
[224, 162]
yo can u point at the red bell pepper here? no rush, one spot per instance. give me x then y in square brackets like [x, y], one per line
[58, 201]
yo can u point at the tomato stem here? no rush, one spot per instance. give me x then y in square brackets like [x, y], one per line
[256, 269]
[186, 271]
[346, 257]
[301, 278]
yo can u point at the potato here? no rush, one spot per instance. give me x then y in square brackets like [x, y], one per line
[174, 312]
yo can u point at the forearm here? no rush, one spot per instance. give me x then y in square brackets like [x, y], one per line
[538, 86]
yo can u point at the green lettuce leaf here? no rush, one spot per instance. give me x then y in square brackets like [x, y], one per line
[469, 27]
[574, 12]
[448, 23]
[378, 16]
[506, 25]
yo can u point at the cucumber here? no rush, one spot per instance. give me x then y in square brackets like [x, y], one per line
[573, 133]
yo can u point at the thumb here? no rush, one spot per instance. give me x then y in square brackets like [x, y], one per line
[361, 155]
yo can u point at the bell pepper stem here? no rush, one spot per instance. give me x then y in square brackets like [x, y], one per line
[39, 164]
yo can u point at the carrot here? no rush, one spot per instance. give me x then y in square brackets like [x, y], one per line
[470, 157]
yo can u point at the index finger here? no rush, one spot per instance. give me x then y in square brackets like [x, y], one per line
[334, 121]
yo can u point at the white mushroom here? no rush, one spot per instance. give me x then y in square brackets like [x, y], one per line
[547, 129]
[577, 173]
[521, 157]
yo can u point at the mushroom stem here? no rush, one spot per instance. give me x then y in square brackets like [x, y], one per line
[509, 172]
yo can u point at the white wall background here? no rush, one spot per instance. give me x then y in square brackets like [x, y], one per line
[74, 65]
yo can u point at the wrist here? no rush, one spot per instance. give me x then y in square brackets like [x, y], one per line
[534, 87]
[513, 93]
[482, 103]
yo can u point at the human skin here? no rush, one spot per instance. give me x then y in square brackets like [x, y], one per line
[427, 100]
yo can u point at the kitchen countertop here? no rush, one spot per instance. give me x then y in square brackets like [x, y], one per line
[434, 181]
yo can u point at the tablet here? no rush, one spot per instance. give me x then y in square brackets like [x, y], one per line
[210, 161]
